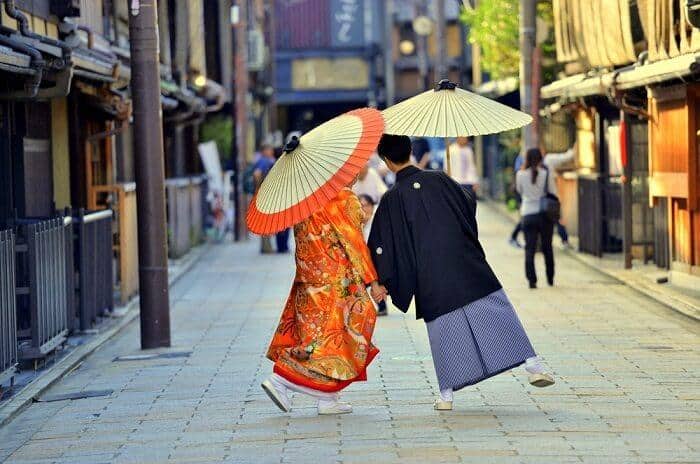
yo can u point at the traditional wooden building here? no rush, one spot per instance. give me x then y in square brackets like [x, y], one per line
[325, 70]
[67, 193]
[415, 56]
[630, 87]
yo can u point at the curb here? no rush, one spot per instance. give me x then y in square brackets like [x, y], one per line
[670, 299]
[72, 360]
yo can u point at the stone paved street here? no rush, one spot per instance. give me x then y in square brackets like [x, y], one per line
[627, 368]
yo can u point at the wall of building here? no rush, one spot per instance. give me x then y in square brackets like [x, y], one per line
[60, 152]
[674, 167]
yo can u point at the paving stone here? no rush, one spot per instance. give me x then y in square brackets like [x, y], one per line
[617, 398]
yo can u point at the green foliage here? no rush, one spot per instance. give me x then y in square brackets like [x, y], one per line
[220, 130]
[494, 25]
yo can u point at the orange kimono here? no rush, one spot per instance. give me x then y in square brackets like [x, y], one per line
[323, 340]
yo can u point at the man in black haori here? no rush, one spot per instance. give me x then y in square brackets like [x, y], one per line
[425, 245]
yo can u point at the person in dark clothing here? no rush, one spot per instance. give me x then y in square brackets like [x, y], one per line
[531, 182]
[421, 152]
[260, 170]
[561, 231]
[282, 237]
[424, 243]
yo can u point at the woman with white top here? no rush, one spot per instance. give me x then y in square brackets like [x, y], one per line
[463, 166]
[530, 184]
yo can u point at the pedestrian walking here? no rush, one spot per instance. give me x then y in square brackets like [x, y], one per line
[553, 162]
[281, 237]
[260, 170]
[424, 243]
[370, 183]
[420, 149]
[464, 170]
[533, 182]
[323, 341]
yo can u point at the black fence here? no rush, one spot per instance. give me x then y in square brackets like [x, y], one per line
[44, 284]
[94, 270]
[599, 215]
[8, 325]
[612, 216]
[590, 216]
[661, 234]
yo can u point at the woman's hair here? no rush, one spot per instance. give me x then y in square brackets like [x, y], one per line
[533, 159]
[367, 198]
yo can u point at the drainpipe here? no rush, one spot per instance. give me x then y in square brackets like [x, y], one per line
[91, 42]
[31, 87]
[23, 25]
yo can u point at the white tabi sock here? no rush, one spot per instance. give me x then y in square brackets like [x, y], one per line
[447, 395]
[534, 365]
[319, 395]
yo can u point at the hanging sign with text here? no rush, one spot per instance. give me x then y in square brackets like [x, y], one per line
[347, 23]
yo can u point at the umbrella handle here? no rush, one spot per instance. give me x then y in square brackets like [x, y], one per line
[448, 158]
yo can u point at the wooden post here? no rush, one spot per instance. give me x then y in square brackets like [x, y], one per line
[448, 158]
[627, 223]
[527, 44]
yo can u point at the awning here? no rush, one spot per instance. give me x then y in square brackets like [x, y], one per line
[94, 66]
[564, 86]
[660, 71]
[498, 88]
[584, 85]
[10, 57]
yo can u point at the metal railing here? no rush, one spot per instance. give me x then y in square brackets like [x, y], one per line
[8, 325]
[93, 254]
[44, 284]
[121, 198]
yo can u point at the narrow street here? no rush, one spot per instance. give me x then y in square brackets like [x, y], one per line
[627, 374]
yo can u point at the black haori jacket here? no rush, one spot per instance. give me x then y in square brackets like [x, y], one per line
[424, 243]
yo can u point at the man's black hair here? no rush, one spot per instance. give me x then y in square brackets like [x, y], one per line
[395, 148]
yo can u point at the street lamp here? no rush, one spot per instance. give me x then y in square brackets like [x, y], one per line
[200, 81]
[407, 47]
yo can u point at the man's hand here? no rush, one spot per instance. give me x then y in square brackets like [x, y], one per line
[378, 292]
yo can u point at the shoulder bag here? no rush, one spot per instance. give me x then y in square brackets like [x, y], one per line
[550, 206]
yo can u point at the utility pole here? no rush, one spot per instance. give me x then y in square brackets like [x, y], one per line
[528, 14]
[150, 182]
[477, 80]
[422, 50]
[271, 29]
[239, 108]
[441, 68]
[626, 180]
[389, 52]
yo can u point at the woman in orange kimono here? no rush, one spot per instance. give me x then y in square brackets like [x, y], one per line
[323, 341]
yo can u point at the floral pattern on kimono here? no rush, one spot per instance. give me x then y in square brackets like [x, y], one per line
[329, 317]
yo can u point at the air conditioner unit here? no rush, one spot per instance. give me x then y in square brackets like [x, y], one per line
[65, 8]
[256, 50]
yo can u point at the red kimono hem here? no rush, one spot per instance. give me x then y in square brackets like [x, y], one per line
[299, 379]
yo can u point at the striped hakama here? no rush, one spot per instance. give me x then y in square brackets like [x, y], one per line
[478, 341]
